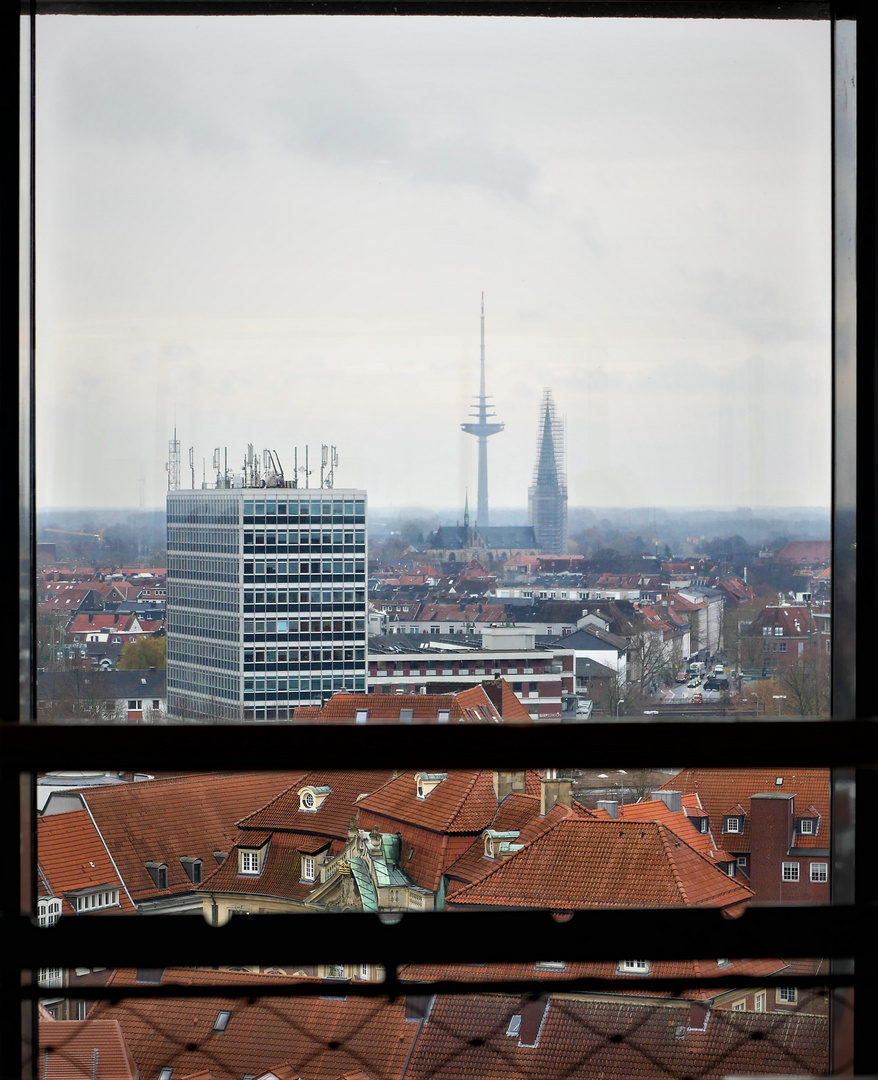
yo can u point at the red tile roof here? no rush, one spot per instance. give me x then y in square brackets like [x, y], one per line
[581, 863]
[659, 969]
[162, 820]
[71, 856]
[324, 1038]
[721, 789]
[464, 802]
[468, 706]
[465, 1038]
[84, 1050]
[281, 866]
[335, 812]
[677, 821]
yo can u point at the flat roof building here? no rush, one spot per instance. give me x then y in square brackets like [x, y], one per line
[266, 604]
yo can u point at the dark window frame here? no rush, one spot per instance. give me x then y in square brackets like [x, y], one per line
[848, 745]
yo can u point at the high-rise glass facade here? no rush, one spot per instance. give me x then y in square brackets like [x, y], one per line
[266, 600]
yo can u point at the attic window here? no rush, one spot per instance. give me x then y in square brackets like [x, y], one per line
[192, 866]
[159, 874]
[807, 825]
[312, 798]
[426, 782]
[514, 1025]
[248, 862]
[733, 825]
[550, 965]
[635, 967]
[222, 1020]
[362, 716]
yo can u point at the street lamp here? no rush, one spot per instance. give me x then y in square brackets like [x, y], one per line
[619, 703]
[779, 698]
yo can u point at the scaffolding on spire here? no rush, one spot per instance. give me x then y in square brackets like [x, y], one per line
[547, 496]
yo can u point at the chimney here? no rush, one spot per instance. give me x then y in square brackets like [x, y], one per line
[553, 791]
[673, 800]
[610, 805]
[507, 780]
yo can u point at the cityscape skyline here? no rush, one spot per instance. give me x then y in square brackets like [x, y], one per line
[285, 243]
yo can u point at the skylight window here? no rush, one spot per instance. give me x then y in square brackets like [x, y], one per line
[514, 1025]
[222, 1020]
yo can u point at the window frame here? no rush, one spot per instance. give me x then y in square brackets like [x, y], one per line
[853, 525]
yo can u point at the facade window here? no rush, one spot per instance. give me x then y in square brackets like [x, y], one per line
[806, 825]
[742, 861]
[249, 863]
[307, 868]
[48, 910]
[739, 1006]
[733, 825]
[639, 967]
[820, 871]
[51, 978]
[790, 871]
[759, 1002]
[787, 995]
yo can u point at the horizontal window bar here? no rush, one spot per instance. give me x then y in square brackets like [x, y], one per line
[642, 744]
[459, 937]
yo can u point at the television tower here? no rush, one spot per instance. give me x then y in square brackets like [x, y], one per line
[481, 428]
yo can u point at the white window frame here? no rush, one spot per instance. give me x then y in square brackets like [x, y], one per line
[249, 863]
[759, 1002]
[786, 995]
[634, 967]
[48, 910]
[806, 827]
[308, 868]
[789, 871]
[819, 872]
[732, 824]
[741, 860]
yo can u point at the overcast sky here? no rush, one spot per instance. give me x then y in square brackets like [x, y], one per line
[276, 230]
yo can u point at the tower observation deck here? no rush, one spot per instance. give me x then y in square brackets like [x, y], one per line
[481, 426]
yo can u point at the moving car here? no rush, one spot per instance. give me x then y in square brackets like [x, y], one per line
[693, 682]
[697, 699]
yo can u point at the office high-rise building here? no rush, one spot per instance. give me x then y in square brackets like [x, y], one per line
[547, 495]
[266, 599]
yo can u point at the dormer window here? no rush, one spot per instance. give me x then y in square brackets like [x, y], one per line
[312, 798]
[94, 898]
[444, 716]
[308, 870]
[249, 862]
[192, 866]
[733, 824]
[634, 967]
[426, 782]
[159, 874]
[807, 826]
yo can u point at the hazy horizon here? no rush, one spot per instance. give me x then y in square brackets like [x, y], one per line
[278, 229]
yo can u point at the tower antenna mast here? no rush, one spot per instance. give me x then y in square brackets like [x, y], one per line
[482, 414]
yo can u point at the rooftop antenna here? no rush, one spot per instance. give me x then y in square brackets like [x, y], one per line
[173, 462]
[329, 457]
[192, 464]
[216, 466]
